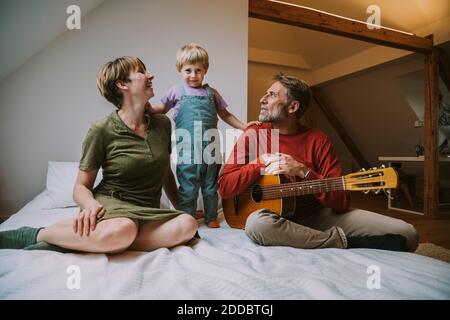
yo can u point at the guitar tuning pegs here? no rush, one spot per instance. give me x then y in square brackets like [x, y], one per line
[366, 191]
[373, 168]
[362, 169]
[382, 166]
[377, 191]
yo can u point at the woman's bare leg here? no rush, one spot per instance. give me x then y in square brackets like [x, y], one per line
[165, 234]
[110, 236]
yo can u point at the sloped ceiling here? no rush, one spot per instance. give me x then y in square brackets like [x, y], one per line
[321, 49]
[316, 48]
[26, 27]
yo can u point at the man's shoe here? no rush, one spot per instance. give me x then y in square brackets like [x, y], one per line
[393, 242]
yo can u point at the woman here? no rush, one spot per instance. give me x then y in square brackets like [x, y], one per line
[133, 148]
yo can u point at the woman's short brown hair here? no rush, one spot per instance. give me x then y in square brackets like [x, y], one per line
[113, 71]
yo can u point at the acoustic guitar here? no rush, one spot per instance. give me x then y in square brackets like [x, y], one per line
[275, 193]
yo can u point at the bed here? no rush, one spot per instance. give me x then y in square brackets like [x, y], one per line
[224, 264]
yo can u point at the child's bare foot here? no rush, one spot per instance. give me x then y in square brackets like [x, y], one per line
[199, 214]
[213, 224]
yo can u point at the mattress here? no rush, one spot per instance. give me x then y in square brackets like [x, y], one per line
[224, 264]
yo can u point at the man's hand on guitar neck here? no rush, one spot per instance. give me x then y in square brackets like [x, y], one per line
[280, 163]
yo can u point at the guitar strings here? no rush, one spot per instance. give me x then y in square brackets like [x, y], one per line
[291, 193]
[326, 183]
[313, 183]
[277, 192]
[306, 184]
[330, 184]
[302, 184]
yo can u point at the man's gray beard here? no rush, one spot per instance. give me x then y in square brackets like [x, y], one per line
[281, 115]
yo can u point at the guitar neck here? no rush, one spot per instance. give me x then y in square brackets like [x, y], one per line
[292, 189]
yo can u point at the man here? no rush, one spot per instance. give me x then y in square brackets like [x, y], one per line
[320, 220]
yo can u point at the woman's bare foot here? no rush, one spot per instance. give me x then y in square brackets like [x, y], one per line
[213, 224]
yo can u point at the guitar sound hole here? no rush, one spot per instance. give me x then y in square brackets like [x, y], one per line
[257, 195]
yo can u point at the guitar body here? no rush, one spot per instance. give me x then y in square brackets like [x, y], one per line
[237, 209]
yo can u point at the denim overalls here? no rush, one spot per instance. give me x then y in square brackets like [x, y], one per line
[196, 115]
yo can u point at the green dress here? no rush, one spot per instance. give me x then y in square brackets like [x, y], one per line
[133, 167]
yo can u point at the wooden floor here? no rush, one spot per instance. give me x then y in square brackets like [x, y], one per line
[435, 230]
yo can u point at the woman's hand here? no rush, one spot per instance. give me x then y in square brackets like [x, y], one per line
[87, 219]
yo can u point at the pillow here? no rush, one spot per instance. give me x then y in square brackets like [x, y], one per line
[61, 178]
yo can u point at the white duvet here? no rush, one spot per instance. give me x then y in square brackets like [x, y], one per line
[224, 264]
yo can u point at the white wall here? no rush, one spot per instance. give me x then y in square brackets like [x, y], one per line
[49, 103]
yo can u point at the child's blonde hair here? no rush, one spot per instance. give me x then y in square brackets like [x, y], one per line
[113, 71]
[192, 53]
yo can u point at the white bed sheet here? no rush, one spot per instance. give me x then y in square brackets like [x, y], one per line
[225, 264]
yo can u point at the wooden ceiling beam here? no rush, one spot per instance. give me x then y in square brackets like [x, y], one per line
[320, 21]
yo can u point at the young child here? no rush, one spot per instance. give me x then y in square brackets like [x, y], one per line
[194, 103]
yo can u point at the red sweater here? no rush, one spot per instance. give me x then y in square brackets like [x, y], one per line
[310, 147]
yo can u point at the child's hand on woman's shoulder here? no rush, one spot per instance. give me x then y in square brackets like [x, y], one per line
[251, 123]
[155, 109]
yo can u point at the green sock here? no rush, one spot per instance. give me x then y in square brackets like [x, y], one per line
[18, 238]
[47, 246]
